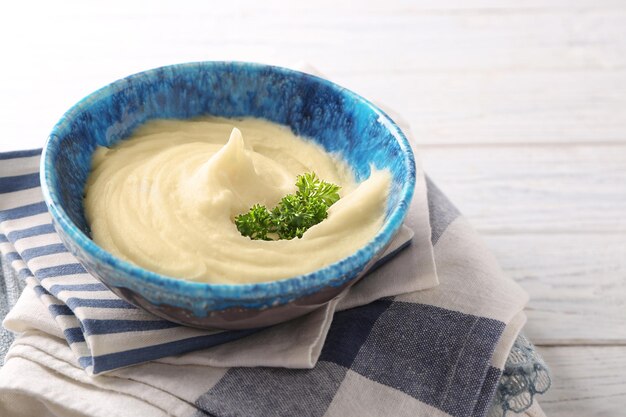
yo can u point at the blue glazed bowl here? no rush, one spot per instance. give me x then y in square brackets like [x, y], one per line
[338, 119]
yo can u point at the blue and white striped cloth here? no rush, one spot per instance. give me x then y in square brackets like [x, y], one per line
[85, 310]
[395, 344]
[104, 331]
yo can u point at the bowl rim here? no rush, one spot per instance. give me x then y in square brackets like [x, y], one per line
[334, 274]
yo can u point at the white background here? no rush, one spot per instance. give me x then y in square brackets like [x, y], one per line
[519, 109]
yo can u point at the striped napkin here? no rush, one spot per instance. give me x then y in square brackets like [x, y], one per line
[106, 332]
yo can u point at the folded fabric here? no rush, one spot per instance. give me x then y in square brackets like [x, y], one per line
[525, 374]
[433, 352]
[398, 345]
[10, 290]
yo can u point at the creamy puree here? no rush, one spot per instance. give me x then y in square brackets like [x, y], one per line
[166, 198]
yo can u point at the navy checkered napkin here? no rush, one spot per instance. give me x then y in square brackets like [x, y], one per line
[395, 344]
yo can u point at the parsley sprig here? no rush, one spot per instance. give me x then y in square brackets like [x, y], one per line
[294, 214]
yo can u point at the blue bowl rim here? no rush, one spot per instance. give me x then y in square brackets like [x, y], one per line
[298, 285]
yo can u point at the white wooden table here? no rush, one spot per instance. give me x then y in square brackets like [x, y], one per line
[519, 108]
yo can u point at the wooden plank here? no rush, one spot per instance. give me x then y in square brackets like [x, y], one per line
[461, 72]
[587, 381]
[577, 285]
[496, 107]
[545, 189]
[553, 216]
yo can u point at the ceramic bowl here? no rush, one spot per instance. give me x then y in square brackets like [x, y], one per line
[338, 119]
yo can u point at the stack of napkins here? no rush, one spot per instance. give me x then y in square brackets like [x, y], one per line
[427, 333]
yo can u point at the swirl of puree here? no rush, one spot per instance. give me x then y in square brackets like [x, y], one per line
[166, 199]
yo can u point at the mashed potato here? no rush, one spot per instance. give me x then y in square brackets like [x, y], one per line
[166, 198]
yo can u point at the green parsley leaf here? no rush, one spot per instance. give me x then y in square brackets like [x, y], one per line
[294, 214]
[256, 223]
[312, 188]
